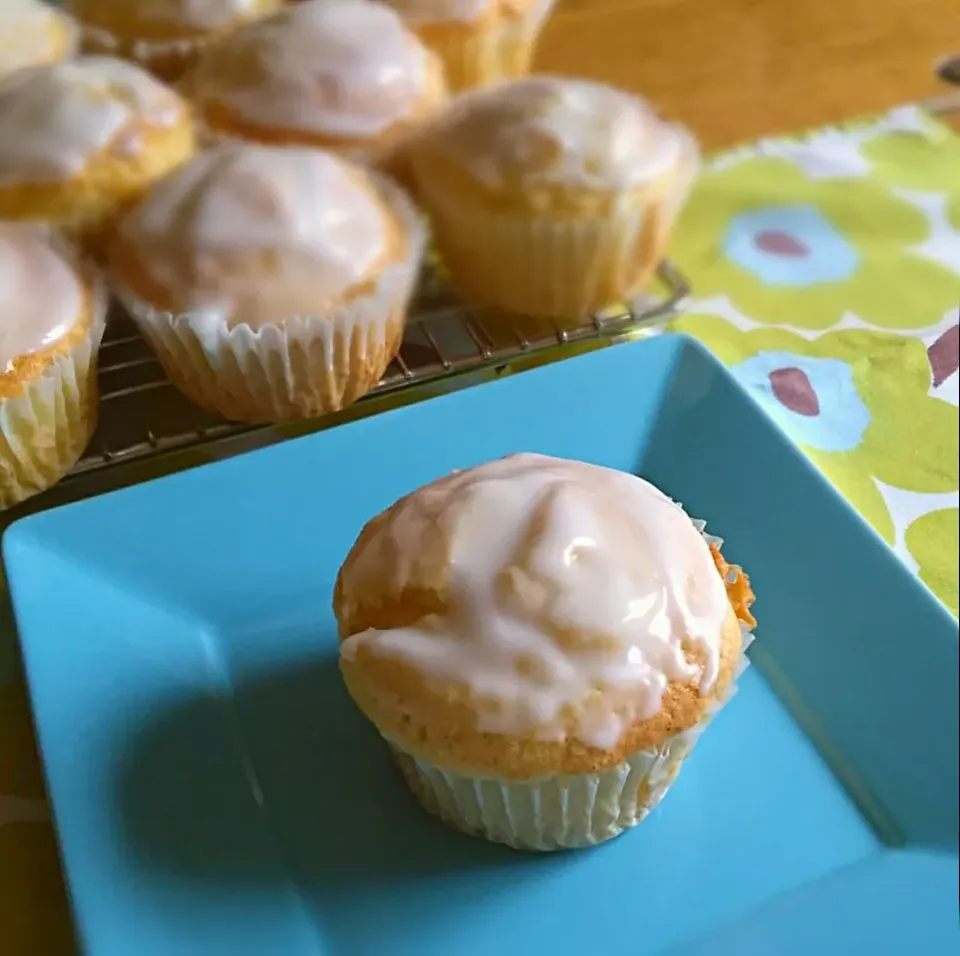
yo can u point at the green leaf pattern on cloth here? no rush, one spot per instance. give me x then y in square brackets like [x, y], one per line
[826, 271]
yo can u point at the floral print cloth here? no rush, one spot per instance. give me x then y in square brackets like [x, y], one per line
[827, 276]
[826, 271]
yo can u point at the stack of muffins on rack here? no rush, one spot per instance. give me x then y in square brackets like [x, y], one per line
[53, 309]
[257, 181]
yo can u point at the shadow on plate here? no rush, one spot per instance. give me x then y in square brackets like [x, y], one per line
[283, 777]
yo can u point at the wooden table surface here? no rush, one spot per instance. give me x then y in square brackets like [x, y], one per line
[734, 70]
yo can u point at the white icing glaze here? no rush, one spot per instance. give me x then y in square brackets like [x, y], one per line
[570, 590]
[30, 33]
[257, 234]
[191, 14]
[346, 68]
[41, 292]
[103, 41]
[421, 12]
[544, 130]
[54, 118]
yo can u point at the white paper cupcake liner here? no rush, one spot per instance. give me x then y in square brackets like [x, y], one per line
[561, 811]
[545, 266]
[482, 57]
[302, 367]
[675, 197]
[46, 428]
[561, 268]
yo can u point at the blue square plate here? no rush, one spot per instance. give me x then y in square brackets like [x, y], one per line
[217, 794]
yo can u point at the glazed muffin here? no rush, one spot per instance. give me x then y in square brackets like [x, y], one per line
[540, 642]
[480, 41]
[272, 282]
[80, 140]
[53, 314]
[344, 75]
[33, 33]
[165, 36]
[552, 197]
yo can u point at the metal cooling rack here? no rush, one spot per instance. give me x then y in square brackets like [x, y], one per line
[144, 417]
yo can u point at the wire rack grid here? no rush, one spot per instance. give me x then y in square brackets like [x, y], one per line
[144, 416]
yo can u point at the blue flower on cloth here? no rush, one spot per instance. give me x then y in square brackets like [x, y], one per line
[813, 399]
[790, 245]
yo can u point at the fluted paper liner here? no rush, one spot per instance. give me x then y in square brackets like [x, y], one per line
[481, 57]
[46, 428]
[551, 266]
[298, 368]
[561, 811]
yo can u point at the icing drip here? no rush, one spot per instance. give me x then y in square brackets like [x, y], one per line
[346, 68]
[54, 118]
[41, 292]
[572, 594]
[544, 130]
[259, 234]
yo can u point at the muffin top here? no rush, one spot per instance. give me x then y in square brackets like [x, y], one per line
[424, 12]
[551, 131]
[346, 69]
[166, 19]
[540, 598]
[254, 235]
[54, 118]
[32, 33]
[42, 295]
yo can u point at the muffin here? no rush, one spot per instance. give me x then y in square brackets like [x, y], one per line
[32, 33]
[53, 316]
[80, 140]
[551, 197]
[344, 75]
[272, 282]
[540, 642]
[480, 41]
[165, 36]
